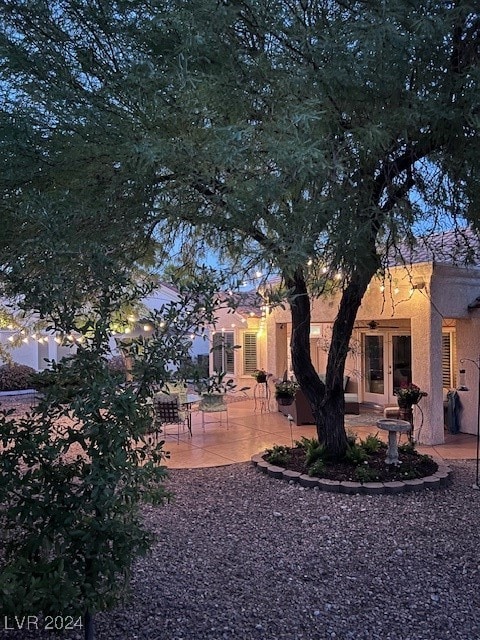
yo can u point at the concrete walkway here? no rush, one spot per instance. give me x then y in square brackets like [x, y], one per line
[250, 432]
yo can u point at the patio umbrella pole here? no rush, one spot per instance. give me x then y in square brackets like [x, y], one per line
[477, 364]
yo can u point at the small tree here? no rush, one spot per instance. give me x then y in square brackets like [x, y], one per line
[76, 469]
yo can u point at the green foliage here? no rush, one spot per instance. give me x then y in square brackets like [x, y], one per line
[356, 454]
[286, 389]
[371, 444]
[363, 473]
[15, 377]
[61, 380]
[278, 455]
[317, 468]
[314, 451]
[76, 470]
[276, 154]
[407, 447]
[217, 383]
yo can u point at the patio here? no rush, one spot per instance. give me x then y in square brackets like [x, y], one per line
[251, 431]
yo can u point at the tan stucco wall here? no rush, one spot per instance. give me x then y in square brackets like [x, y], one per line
[444, 293]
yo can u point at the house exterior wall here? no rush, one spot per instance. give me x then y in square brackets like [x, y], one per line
[453, 290]
[239, 324]
[420, 299]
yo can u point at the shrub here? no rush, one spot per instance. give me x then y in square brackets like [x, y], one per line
[317, 468]
[313, 450]
[407, 447]
[372, 444]
[365, 474]
[356, 455]
[16, 377]
[278, 455]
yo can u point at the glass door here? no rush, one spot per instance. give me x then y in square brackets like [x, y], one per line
[387, 364]
[374, 373]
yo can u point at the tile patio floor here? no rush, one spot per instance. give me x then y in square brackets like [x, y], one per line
[251, 432]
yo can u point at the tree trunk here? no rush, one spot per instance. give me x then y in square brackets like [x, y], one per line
[327, 400]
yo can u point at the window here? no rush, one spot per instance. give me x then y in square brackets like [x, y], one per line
[448, 346]
[249, 352]
[223, 353]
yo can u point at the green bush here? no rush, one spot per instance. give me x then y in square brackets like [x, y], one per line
[371, 444]
[16, 377]
[313, 450]
[365, 474]
[356, 454]
[407, 447]
[278, 455]
[317, 468]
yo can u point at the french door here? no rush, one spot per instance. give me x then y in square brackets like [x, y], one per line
[387, 363]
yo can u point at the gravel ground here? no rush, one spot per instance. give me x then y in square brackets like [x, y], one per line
[244, 556]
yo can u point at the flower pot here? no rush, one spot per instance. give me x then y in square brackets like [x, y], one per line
[285, 401]
[261, 378]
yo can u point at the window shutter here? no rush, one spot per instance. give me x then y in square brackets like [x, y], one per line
[249, 352]
[223, 356]
[447, 379]
[229, 359]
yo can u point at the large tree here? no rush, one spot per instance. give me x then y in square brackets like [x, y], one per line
[310, 130]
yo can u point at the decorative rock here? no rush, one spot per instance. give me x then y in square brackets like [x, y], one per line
[257, 458]
[307, 481]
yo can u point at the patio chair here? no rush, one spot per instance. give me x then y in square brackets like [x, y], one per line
[167, 413]
[213, 403]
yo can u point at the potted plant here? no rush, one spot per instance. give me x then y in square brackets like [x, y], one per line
[260, 375]
[408, 395]
[285, 391]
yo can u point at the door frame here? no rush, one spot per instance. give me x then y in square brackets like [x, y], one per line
[387, 397]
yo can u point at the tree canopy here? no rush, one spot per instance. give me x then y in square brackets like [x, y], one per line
[279, 132]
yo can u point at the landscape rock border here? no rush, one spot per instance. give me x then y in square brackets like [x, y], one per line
[441, 478]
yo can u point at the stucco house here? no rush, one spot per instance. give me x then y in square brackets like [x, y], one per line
[416, 324]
